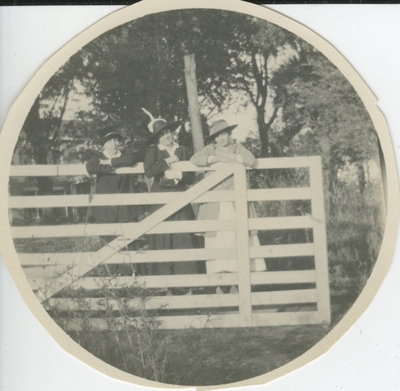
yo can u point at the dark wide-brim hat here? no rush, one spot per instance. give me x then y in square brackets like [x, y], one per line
[108, 133]
[218, 127]
[160, 125]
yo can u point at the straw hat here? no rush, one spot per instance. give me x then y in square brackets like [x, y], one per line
[219, 127]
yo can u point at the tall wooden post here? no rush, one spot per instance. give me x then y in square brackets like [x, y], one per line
[242, 246]
[320, 245]
[193, 99]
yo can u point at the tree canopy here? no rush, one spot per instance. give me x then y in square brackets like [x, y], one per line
[303, 104]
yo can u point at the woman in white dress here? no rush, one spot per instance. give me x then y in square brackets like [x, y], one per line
[221, 148]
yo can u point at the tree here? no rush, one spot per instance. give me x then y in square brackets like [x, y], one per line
[262, 55]
[140, 64]
[323, 115]
[42, 129]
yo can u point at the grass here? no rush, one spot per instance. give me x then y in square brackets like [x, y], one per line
[225, 356]
[199, 357]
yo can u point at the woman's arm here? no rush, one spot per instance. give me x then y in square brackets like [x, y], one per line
[224, 158]
[127, 159]
[246, 155]
[187, 177]
[241, 155]
[152, 165]
[94, 166]
[200, 159]
[206, 157]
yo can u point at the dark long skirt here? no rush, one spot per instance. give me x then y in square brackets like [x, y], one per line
[174, 242]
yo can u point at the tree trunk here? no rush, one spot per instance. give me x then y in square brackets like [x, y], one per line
[263, 131]
[332, 185]
[362, 181]
[36, 136]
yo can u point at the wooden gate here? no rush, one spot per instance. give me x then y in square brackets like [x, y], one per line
[273, 297]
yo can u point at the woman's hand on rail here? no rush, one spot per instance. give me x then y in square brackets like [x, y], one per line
[226, 158]
[233, 158]
[216, 159]
[173, 174]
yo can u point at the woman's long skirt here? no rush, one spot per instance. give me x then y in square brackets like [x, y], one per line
[228, 239]
[174, 242]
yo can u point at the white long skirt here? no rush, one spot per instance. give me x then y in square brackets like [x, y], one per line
[228, 239]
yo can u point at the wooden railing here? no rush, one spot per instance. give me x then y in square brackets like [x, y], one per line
[300, 296]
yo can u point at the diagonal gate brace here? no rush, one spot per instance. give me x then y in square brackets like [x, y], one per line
[74, 273]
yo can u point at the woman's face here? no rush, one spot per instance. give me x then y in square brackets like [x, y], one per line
[111, 146]
[223, 139]
[166, 138]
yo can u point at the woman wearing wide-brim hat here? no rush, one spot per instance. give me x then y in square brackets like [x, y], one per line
[221, 148]
[103, 164]
[162, 153]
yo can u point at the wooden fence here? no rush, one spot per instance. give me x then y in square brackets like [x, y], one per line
[274, 297]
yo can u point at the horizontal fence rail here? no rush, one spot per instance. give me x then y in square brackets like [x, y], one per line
[286, 250]
[54, 201]
[79, 169]
[266, 298]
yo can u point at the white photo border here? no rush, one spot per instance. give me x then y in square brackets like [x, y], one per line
[364, 32]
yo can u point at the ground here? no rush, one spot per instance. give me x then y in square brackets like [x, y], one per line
[201, 357]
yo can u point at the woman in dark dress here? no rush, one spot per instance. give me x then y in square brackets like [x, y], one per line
[103, 164]
[163, 152]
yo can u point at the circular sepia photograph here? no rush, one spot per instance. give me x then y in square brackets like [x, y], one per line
[197, 195]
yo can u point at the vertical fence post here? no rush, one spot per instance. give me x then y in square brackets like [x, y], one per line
[193, 100]
[319, 232]
[242, 246]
